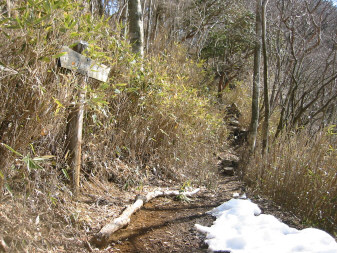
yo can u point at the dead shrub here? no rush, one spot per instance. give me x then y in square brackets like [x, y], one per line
[153, 113]
[300, 174]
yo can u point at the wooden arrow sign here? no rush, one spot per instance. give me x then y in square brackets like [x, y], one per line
[83, 65]
[73, 60]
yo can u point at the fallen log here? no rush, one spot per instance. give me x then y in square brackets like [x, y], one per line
[104, 236]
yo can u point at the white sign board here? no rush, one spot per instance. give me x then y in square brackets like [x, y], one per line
[84, 65]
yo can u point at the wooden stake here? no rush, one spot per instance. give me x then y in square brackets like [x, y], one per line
[73, 60]
[74, 138]
[74, 131]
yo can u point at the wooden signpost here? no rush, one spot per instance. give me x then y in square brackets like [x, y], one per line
[73, 60]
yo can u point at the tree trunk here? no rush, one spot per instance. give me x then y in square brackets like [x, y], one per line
[148, 27]
[96, 7]
[9, 8]
[256, 79]
[221, 85]
[100, 8]
[123, 19]
[156, 21]
[265, 128]
[136, 27]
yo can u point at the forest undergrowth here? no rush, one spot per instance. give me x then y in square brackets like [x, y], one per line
[300, 174]
[155, 113]
[153, 119]
[156, 121]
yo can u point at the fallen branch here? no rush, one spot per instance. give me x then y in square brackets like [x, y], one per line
[103, 237]
[6, 72]
[3, 245]
[12, 71]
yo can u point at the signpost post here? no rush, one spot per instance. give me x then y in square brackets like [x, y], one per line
[75, 61]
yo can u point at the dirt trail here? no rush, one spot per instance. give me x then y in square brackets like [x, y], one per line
[167, 225]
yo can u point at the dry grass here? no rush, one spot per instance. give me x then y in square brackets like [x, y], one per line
[150, 114]
[151, 122]
[53, 222]
[241, 96]
[300, 173]
[160, 121]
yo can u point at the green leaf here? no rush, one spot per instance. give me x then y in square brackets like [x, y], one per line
[65, 173]
[59, 104]
[31, 3]
[104, 86]
[53, 200]
[6, 34]
[19, 22]
[43, 158]
[13, 27]
[4, 21]
[32, 147]
[9, 189]
[31, 164]
[11, 149]
[121, 84]
[99, 100]
[48, 28]
[59, 55]
[39, 20]
[72, 24]
[45, 59]
[74, 34]
[2, 175]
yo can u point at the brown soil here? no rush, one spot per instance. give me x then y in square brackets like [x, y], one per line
[167, 225]
[162, 225]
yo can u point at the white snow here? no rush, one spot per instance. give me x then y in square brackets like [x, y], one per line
[241, 228]
[236, 195]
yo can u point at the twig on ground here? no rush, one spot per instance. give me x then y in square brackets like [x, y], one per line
[3, 245]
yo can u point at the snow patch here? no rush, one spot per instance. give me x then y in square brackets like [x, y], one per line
[241, 228]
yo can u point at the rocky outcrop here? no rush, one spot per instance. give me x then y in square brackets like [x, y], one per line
[238, 134]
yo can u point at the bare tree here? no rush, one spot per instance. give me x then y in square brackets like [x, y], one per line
[9, 8]
[136, 27]
[97, 7]
[265, 79]
[122, 17]
[305, 87]
[256, 79]
[148, 24]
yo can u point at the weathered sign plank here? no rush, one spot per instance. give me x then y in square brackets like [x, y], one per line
[83, 65]
[73, 60]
